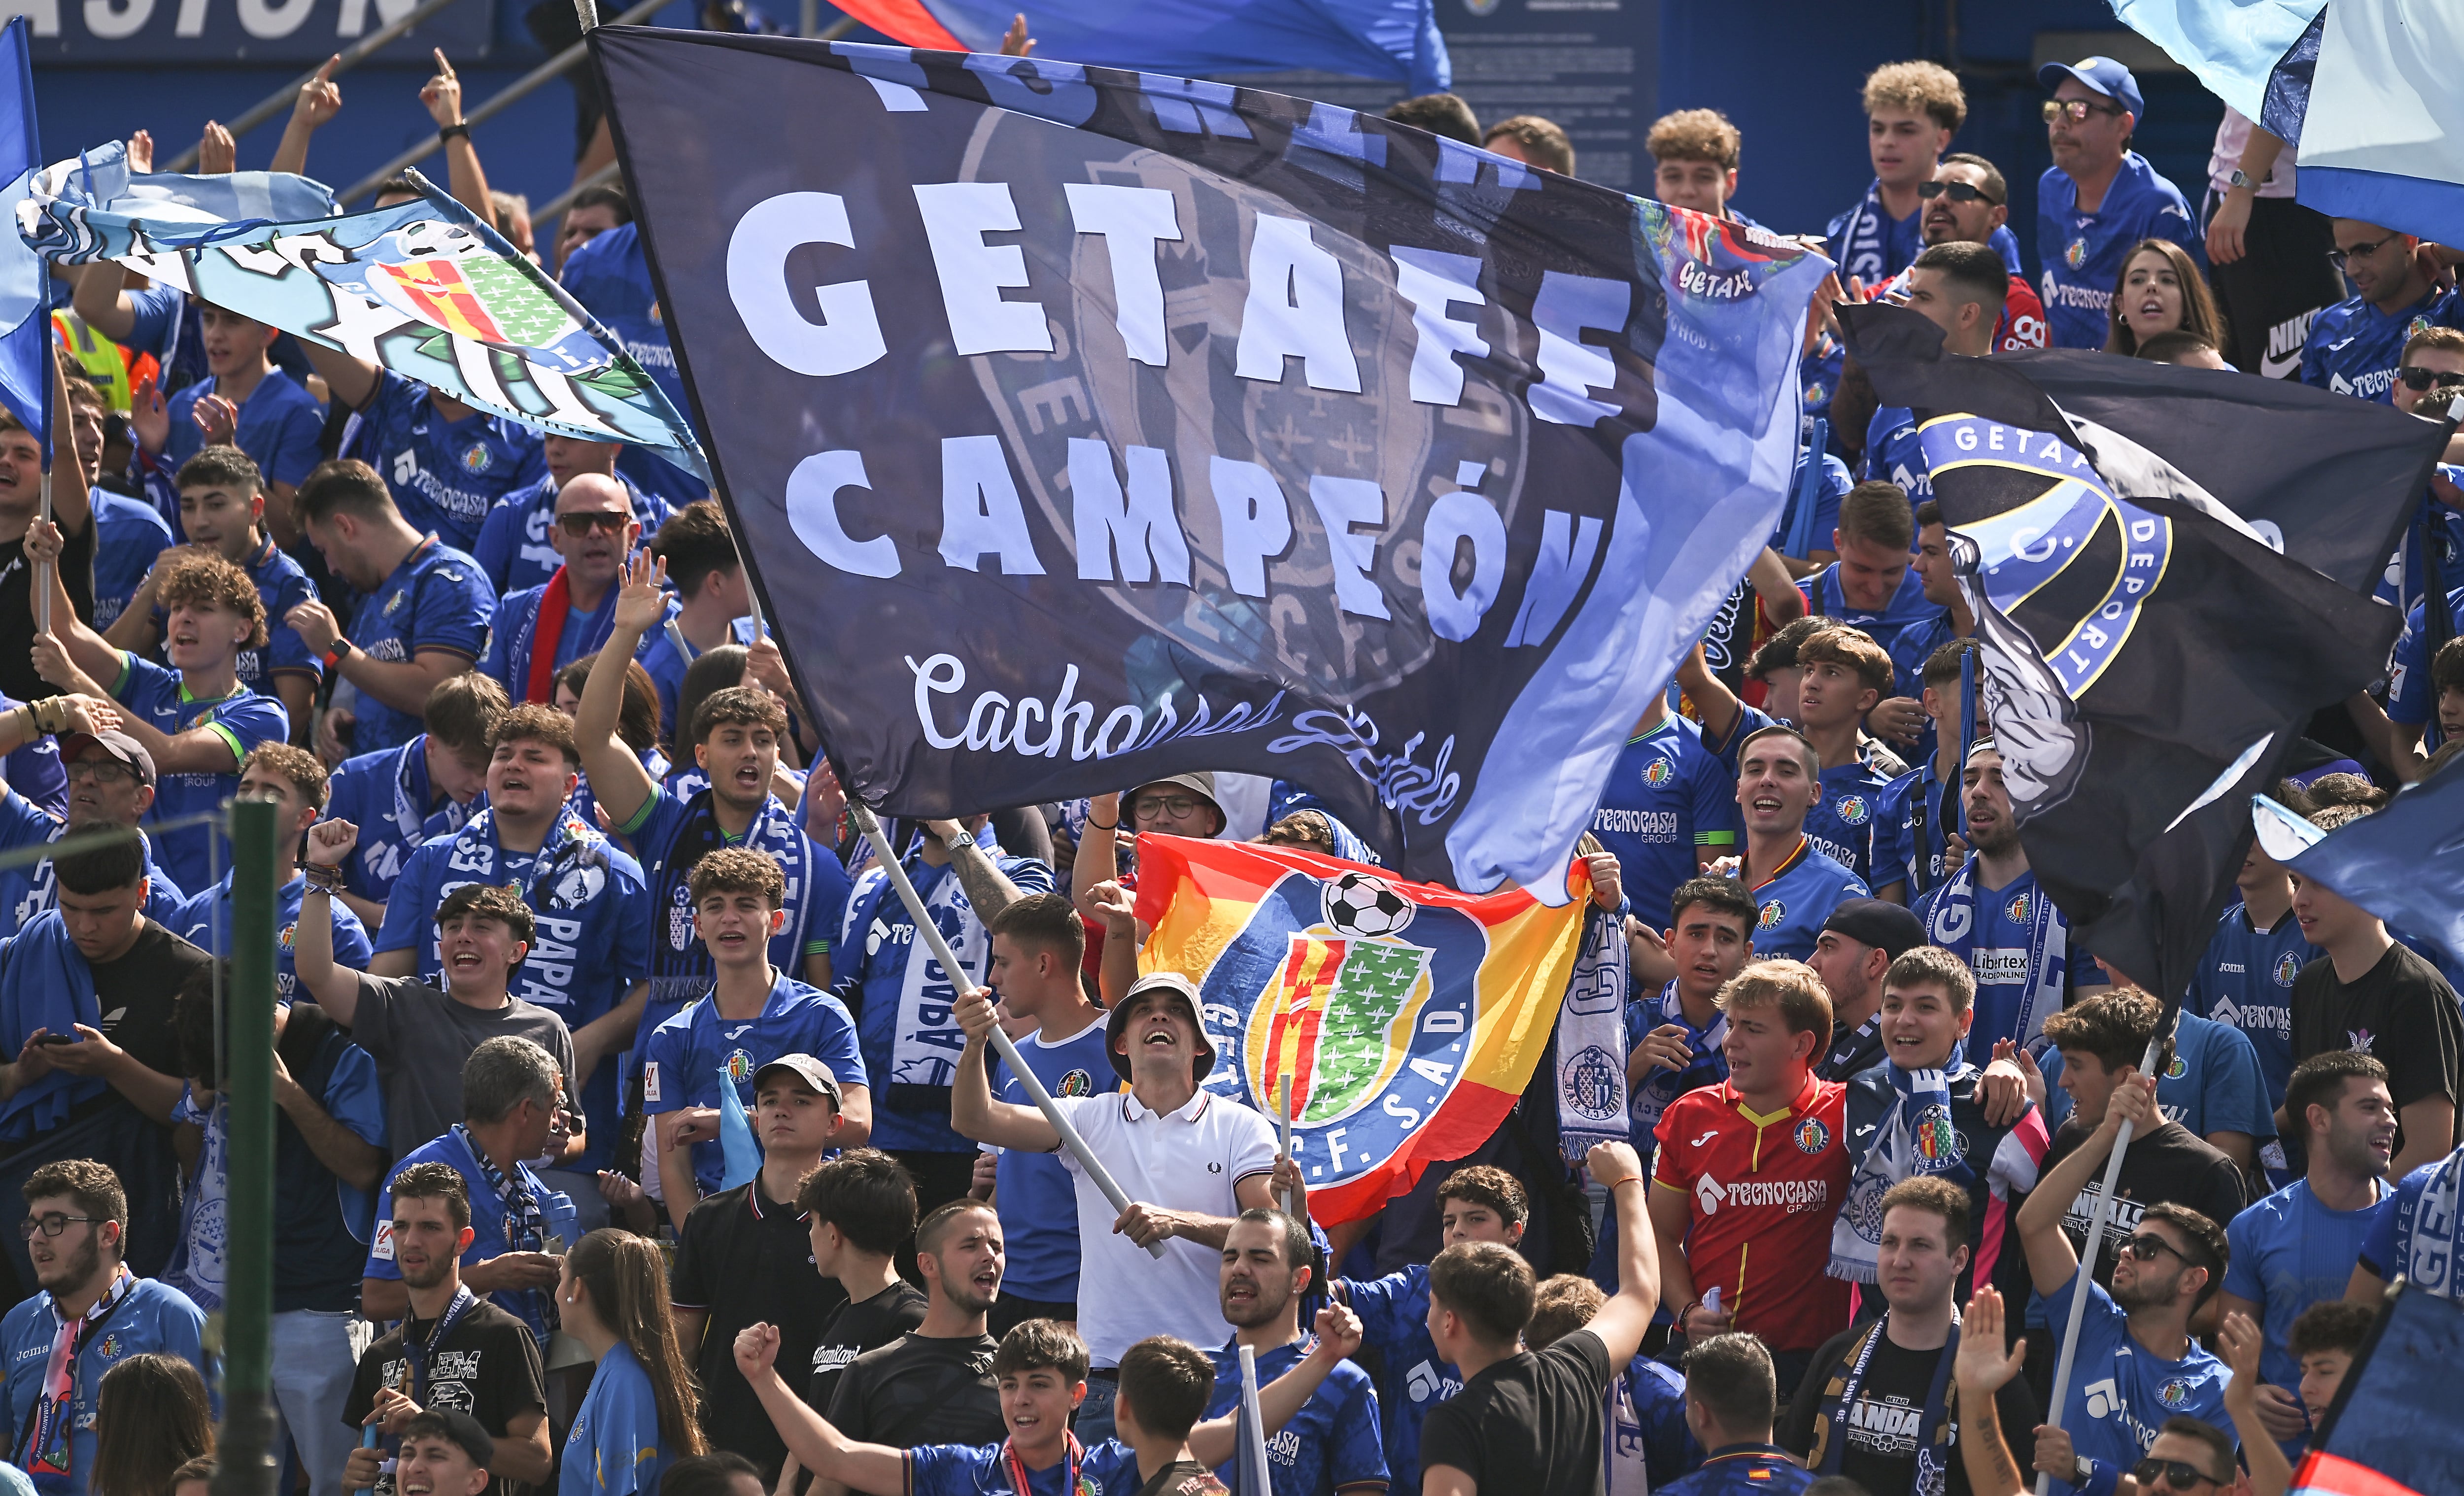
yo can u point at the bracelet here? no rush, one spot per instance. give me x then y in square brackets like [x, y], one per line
[1631, 1178]
[452, 131]
[1094, 824]
[319, 878]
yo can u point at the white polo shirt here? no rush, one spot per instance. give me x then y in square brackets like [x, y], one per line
[1185, 1161]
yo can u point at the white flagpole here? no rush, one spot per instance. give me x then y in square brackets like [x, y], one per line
[2098, 1214]
[1257, 1420]
[931, 933]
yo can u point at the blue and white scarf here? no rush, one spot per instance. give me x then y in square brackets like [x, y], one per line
[200, 1265]
[2437, 1231]
[1916, 1136]
[558, 876]
[1591, 1039]
[924, 1049]
[1951, 924]
[1862, 241]
[1839, 1402]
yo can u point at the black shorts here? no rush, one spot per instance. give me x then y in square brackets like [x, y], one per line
[2281, 281]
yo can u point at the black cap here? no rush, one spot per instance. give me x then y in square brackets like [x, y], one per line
[458, 1426]
[1877, 922]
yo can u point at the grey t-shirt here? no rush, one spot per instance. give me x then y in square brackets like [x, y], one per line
[419, 1038]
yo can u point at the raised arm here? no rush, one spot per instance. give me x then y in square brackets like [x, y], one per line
[1713, 701]
[443, 97]
[1623, 1320]
[101, 301]
[2239, 1338]
[973, 1111]
[336, 988]
[1982, 1369]
[320, 99]
[812, 1439]
[2051, 1260]
[617, 777]
[1214, 1442]
[1098, 856]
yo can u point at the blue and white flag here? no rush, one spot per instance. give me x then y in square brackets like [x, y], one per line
[25, 331]
[1083, 428]
[2403, 864]
[2363, 89]
[421, 288]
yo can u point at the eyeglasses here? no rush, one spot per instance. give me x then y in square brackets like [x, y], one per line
[2417, 377]
[102, 771]
[2338, 258]
[580, 525]
[50, 1224]
[1957, 191]
[2078, 109]
[2180, 1474]
[2146, 1247]
[1179, 807]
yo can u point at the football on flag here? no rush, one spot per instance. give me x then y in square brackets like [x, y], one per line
[1408, 1017]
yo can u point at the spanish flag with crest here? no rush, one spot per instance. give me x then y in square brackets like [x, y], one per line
[1406, 1017]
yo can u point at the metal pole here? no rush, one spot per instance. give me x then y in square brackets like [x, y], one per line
[2096, 1217]
[528, 83]
[1967, 730]
[42, 580]
[931, 933]
[246, 1443]
[288, 94]
[586, 11]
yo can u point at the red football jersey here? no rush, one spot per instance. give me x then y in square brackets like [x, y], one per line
[1765, 1189]
[2023, 319]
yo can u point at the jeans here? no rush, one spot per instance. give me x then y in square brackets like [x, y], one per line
[314, 1355]
[1093, 1423]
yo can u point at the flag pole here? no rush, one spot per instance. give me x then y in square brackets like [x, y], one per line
[1286, 1115]
[1253, 1445]
[2098, 1214]
[1967, 730]
[939, 948]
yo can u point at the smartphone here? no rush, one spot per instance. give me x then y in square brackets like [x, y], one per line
[57, 1039]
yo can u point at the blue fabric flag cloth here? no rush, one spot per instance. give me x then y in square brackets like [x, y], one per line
[2403, 864]
[421, 288]
[2362, 89]
[1395, 39]
[736, 1136]
[1148, 489]
[24, 285]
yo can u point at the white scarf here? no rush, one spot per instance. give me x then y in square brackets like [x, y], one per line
[2437, 1230]
[1590, 1040]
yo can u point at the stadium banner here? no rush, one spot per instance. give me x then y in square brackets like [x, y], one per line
[421, 288]
[201, 33]
[1085, 427]
[1409, 1018]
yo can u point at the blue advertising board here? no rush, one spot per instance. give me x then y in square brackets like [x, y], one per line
[105, 32]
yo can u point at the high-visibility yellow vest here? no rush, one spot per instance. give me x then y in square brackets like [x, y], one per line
[114, 369]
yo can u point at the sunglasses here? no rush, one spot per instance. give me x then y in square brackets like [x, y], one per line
[2338, 258]
[2078, 109]
[580, 525]
[2417, 377]
[2180, 1474]
[1956, 191]
[2145, 1248]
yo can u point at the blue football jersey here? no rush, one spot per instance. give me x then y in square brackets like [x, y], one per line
[281, 427]
[2245, 981]
[435, 599]
[1333, 1442]
[2354, 348]
[1894, 455]
[1666, 795]
[242, 720]
[2412, 696]
[445, 474]
[2081, 254]
[610, 277]
[1793, 902]
[127, 538]
[687, 1059]
[1859, 823]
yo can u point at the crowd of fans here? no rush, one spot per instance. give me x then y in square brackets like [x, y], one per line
[574, 932]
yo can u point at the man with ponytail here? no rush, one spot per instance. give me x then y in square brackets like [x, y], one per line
[642, 1412]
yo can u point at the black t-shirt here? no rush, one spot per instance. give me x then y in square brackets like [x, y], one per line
[135, 995]
[489, 1367]
[860, 1326]
[1183, 1478]
[2402, 1013]
[1880, 1453]
[2171, 1165]
[17, 676]
[743, 1259]
[919, 1390]
[1531, 1421]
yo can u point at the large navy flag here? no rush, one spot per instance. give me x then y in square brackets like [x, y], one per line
[1396, 39]
[2362, 90]
[2392, 1429]
[1087, 426]
[2151, 656]
[25, 332]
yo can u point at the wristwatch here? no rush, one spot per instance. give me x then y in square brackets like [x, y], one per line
[2240, 179]
[958, 841]
[343, 649]
[2083, 1470]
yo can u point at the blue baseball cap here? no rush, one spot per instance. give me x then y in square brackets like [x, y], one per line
[2103, 74]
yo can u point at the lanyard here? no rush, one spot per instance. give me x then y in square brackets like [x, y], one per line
[1074, 1455]
[415, 1355]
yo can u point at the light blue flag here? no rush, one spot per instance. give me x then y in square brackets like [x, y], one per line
[421, 288]
[736, 1136]
[2363, 89]
[25, 330]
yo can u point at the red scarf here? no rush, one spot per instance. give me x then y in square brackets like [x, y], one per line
[547, 631]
